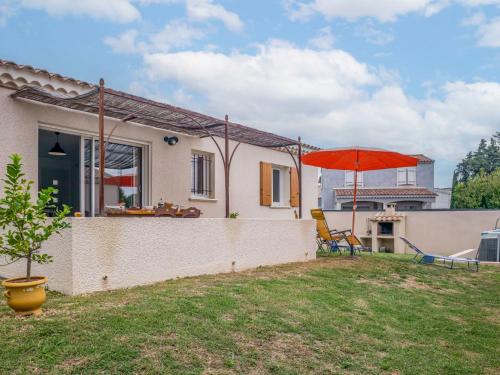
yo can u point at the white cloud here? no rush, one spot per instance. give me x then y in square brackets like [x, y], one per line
[115, 10]
[489, 33]
[474, 20]
[435, 7]
[324, 39]
[279, 75]
[125, 43]
[382, 10]
[204, 10]
[474, 3]
[331, 99]
[7, 10]
[373, 35]
[175, 34]
[150, 2]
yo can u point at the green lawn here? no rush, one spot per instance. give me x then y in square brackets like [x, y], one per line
[377, 315]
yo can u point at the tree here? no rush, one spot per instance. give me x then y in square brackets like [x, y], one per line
[486, 158]
[481, 191]
[24, 224]
[475, 169]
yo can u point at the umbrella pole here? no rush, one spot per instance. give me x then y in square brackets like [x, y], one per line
[354, 208]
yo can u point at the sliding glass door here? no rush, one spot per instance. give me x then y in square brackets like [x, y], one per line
[75, 171]
[122, 175]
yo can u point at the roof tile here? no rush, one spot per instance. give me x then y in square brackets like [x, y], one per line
[386, 192]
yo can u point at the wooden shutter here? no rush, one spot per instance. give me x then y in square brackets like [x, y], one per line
[294, 187]
[266, 172]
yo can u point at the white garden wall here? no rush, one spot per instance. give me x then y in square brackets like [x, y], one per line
[443, 232]
[108, 253]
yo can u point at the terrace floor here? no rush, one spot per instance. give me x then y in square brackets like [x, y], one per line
[380, 314]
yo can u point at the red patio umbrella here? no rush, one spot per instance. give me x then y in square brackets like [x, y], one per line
[358, 159]
[123, 181]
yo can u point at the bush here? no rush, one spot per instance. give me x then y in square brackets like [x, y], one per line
[481, 191]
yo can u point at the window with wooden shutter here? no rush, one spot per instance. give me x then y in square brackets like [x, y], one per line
[266, 172]
[294, 187]
[349, 179]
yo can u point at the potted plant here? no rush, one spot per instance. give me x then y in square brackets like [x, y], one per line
[24, 226]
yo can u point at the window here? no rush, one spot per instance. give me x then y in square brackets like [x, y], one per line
[276, 186]
[281, 188]
[407, 176]
[279, 185]
[202, 171]
[349, 179]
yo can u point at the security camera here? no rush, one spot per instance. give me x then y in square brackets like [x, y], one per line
[172, 141]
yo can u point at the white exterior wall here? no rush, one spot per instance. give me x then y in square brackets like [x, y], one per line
[170, 165]
[99, 254]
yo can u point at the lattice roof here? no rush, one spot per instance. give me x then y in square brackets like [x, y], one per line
[126, 107]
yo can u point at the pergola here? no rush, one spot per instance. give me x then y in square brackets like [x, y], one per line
[106, 102]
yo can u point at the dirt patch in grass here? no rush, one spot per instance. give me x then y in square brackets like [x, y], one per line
[412, 283]
[361, 303]
[407, 282]
[70, 364]
[303, 268]
[282, 347]
[491, 315]
[458, 319]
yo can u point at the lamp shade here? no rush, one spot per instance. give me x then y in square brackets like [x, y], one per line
[57, 150]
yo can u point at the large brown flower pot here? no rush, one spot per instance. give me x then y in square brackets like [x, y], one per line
[26, 297]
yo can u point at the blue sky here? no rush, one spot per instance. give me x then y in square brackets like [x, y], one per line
[413, 75]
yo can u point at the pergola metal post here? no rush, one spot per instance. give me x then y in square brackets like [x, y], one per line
[226, 162]
[298, 165]
[102, 147]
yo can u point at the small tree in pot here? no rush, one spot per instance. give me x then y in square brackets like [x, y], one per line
[24, 226]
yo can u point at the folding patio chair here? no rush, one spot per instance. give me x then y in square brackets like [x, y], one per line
[328, 240]
[358, 246]
[427, 258]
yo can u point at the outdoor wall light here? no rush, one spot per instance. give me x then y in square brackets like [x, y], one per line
[57, 150]
[172, 141]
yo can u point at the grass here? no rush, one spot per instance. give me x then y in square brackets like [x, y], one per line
[377, 315]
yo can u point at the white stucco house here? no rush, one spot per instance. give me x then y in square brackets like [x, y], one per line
[155, 152]
[142, 165]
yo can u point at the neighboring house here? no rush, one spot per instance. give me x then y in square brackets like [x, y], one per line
[443, 199]
[153, 154]
[410, 188]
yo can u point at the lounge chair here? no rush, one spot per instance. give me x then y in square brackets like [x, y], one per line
[358, 246]
[426, 258]
[329, 240]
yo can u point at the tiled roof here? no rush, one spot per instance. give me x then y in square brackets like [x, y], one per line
[29, 68]
[386, 192]
[422, 159]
